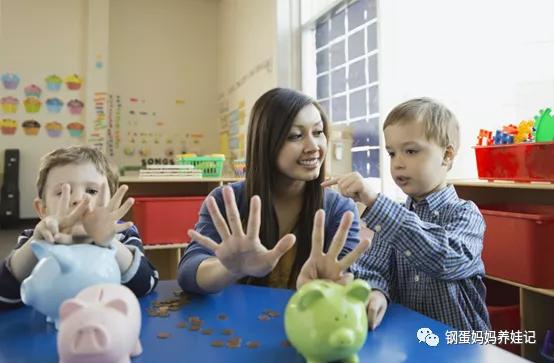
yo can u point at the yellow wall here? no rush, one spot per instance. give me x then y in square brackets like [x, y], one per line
[246, 66]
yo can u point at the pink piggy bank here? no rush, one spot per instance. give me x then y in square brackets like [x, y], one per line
[101, 324]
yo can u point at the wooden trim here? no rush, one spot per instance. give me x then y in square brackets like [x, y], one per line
[547, 292]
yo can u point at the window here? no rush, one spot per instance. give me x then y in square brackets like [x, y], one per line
[347, 84]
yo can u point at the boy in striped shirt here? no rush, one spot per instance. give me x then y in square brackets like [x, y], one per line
[79, 202]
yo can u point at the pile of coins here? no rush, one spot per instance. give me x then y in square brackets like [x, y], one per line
[161, 309]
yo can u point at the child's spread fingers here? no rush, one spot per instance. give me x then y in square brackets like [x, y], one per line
[51, 224]
[217, 219]
[63, 203]
[63, 238]
[340, 235]
[203, 240]
[318, 233]
[115, 202]
[101, 198]
[351, 257]
[78, 212]
[254, 218]
[233, 216]
[47, 235]
[125, 207]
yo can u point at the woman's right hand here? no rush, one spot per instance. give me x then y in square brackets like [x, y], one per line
[242, 254]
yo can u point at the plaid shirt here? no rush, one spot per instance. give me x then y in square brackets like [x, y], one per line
[426, 255]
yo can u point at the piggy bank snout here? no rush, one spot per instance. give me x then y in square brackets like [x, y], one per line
[90, 339]
[342, 338]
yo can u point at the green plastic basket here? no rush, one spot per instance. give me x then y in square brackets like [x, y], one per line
[211, 166]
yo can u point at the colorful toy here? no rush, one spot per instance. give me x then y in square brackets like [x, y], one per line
[544, 126]
[326, 321]
[63, 271]
[503, 138]
[524, 131]
[101, 324]
[484, 138]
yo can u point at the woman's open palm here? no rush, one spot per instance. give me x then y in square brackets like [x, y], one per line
[241, 253]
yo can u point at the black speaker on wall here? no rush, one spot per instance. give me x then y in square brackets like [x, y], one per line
[9, 194]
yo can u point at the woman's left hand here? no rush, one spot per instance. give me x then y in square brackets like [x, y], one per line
[326, 266]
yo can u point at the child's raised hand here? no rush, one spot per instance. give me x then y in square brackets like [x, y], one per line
[353, 185]
[327, 266]
[57, 227]
[240, 253]
[376, 308]
[100, 223]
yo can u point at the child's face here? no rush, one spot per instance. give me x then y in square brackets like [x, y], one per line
[304, 149]
[83, 178]
[418, 166]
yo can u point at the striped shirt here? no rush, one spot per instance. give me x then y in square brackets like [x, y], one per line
[141, 277]
[426, 256]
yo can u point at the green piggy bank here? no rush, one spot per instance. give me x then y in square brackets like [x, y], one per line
[326, 321]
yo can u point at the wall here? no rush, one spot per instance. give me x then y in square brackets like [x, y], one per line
[247, 38]
[36, 40]
[163, 62]
[489, 61]
[165, 57]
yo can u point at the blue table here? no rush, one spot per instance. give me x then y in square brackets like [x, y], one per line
[26, 337]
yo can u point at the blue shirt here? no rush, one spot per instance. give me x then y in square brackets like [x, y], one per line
[141, 277]
[334, 205]
[426, 255]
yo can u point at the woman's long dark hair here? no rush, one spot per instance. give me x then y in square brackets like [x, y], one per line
[270, 122]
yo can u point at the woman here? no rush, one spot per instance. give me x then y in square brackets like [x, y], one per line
[267, 241]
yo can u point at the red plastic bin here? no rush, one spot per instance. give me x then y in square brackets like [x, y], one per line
[519, 162]
[505, 318]
[165, 220]
[518, 243]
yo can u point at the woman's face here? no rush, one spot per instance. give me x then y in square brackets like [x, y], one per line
[305, 146]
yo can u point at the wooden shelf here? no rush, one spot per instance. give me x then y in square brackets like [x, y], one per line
[168, 246]
[136, 179]
[501, 184]
[535, 303]
[547, 292]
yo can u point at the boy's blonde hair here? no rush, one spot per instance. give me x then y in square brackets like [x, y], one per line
[439, 122]
[76, 155]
